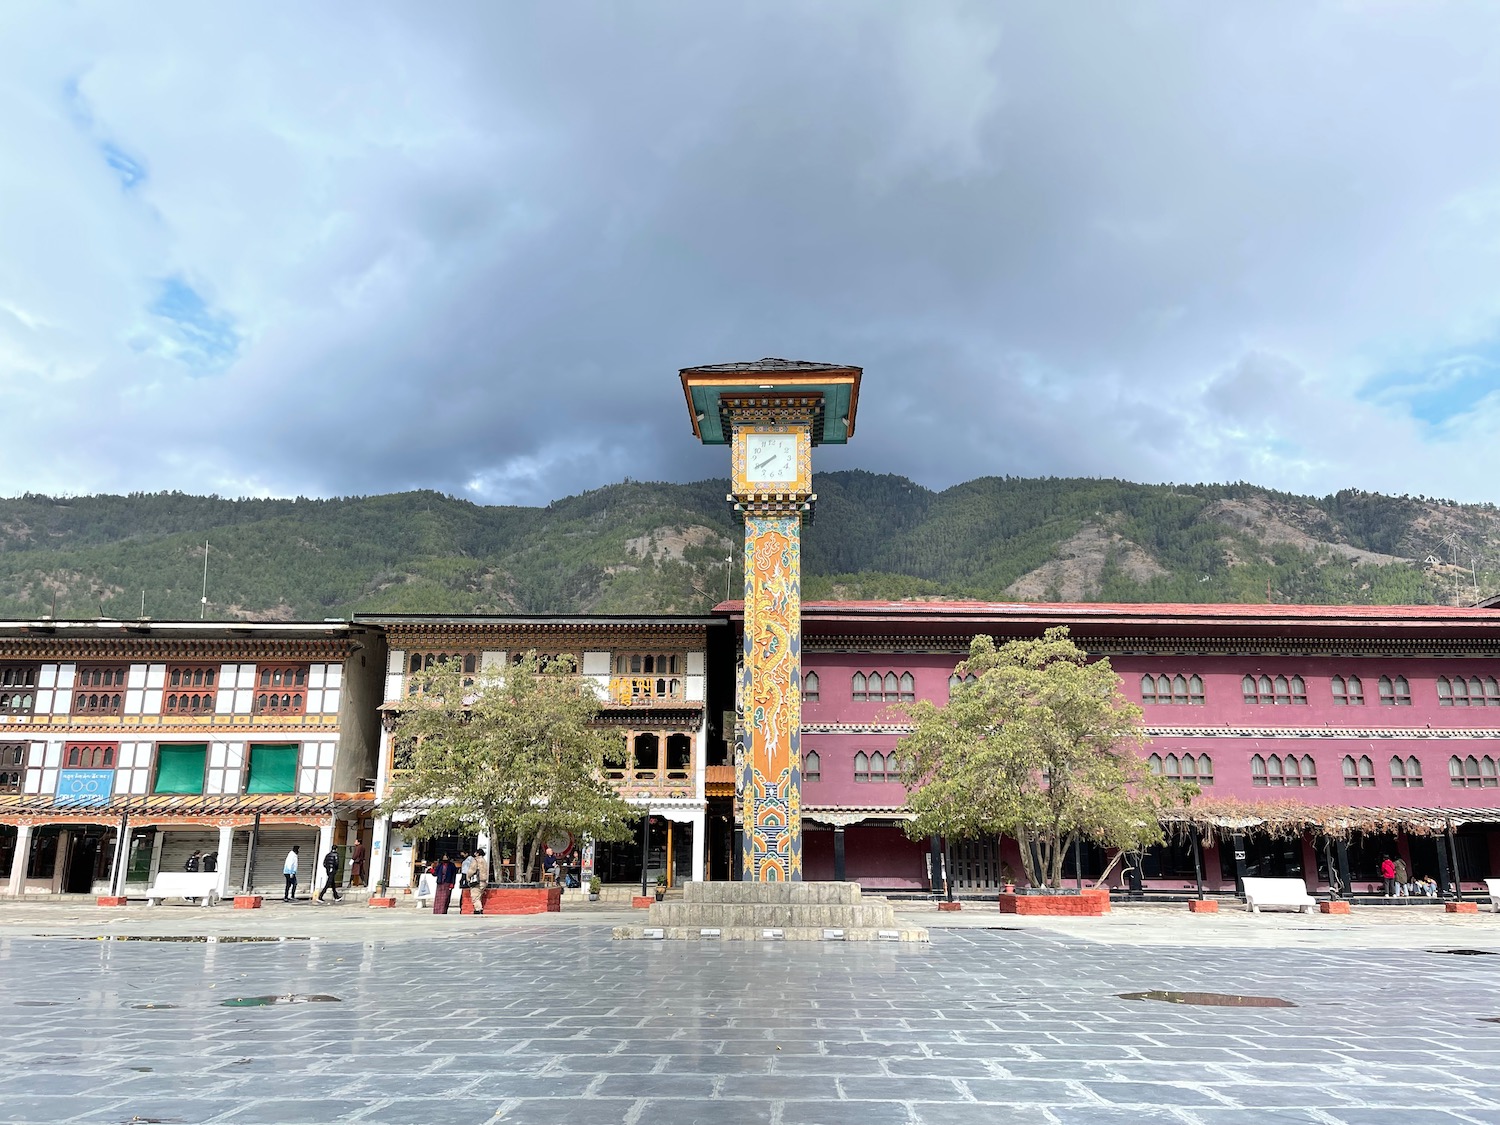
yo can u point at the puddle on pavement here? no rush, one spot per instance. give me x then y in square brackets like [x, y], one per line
[1209, 999]
[1465, 952]
[267, 1001]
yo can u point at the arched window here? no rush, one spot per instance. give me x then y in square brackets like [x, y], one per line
[861, 766]
[1360, 772]
[858, 687]
[1487, 774]
[1173, 767]
[1356, 691]
[1257, 770]
[1153, 765]
[1309, 770]
[1274, 775]
[812, 766]
[892, 688]
[1340, 692]
[1366, 771]
[1293, 770]
[1299, 690]
[908, 688]
[1491, 692]
[810, 687]
[1179, 689]
[1406, 773]
[1148, 688]
[1205, 770]
[1247, 688]
[882, 766]
[1394, 692]
[1413, 773]
[1283, 692]
[1189, 768]
[1195, 691]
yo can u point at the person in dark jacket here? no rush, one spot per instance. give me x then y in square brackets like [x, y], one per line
[192, 861]
[331, 871]
[446, 874]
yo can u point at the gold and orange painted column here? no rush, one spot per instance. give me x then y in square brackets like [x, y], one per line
[770, 785]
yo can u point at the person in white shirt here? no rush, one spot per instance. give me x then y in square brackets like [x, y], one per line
[289, 869]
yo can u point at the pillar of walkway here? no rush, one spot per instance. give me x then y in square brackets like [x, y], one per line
[380, 842]
[700, 830]
[325, 841]
[226, 853]
[20, 861]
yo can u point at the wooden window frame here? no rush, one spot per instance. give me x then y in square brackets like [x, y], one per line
[812, 766]
[18, 688]
[185, 698]
[290, 697]
[13, 773]
[90, 755]
[105, 695]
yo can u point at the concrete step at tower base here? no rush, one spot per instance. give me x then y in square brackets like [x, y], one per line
[774, 911]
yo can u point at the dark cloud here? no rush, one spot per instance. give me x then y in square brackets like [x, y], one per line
[468, 247]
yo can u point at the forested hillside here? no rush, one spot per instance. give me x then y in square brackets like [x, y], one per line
[640, 547]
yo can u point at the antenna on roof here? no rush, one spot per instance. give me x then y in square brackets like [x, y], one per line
[203, 604]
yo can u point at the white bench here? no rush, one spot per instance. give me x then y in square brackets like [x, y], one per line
[1290, 893]
[1494, 889]
[185, 884]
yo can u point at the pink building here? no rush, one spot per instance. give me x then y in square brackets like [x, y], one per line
[1373, 707]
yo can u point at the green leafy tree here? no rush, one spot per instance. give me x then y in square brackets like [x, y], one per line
[513, 752]
[1040, 746]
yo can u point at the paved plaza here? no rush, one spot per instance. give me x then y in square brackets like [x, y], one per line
[549, 1020]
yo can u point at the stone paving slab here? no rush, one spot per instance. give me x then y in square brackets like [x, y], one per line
[502, 1023]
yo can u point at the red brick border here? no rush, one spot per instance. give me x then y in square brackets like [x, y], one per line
[382, 902]
[1203, 905]
[950, 907]
[112, 900]
[523, 900]
[247, 902]
[1461, 907]
[642, 902]
[1088, 904]
[1334, 906]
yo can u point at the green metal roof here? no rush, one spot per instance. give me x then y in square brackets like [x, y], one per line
[838, 386]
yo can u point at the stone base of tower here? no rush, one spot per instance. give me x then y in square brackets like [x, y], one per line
[774, 912]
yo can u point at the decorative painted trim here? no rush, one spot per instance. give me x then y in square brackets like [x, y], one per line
[175, 650]
[1323, 733]
[957, 645]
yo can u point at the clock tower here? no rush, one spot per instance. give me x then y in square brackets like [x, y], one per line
[771, 413]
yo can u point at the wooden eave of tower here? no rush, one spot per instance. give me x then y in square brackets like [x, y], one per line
[830, 391]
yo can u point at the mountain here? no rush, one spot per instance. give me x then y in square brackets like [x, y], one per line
[644, 547]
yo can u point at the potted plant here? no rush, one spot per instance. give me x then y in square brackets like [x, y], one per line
[1008, 878]
[595, 884]
[661, 886]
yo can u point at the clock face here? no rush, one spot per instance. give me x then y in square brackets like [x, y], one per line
[770, 457]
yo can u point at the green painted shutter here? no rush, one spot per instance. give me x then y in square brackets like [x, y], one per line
[273, 769]
[179, 769]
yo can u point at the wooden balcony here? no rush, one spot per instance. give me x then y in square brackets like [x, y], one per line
[647, 691]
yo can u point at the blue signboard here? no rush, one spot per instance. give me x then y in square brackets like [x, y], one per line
[84, 787]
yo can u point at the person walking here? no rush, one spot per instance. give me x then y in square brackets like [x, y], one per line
[357, 865]
[1388, 873]
[1403, 889]
[289, 872]
[445, 874]
[331, 872]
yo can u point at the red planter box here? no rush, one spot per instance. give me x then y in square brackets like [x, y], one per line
[522, 900]
[112, 900]
[642, 902]
[247, 902]
[382, 902]
[1461, 907]
[1334, 906]
[1203, 905]
[949, 907]
[1089, 904]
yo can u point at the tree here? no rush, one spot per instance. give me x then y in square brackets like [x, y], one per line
[514, 753]
[1041, 746]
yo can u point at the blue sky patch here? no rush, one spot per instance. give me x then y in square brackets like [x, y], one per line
[1441, 389]
[202, 338]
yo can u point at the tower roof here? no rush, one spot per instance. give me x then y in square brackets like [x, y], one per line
[833, 387]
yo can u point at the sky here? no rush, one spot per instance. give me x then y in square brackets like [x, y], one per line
[353, 248]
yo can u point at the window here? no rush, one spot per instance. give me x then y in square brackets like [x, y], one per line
[1292, 771]
[89, 756]
[648, 664]
[1472, 772]
[179, 769]
[861, 766]
[1257, 770]
[810, 687]
[876, 766]
[1473, 692]
[190, 691]
[99, 690]
[422, 661]
[1406, 773]
[888, 687]
[955, 681]
[543, 659]
[1181, 690]
[281, 690]
[1278, 691]
[12, 766]
[1360, 773]
[17, 689]
[1205, 770]
[1348, 691]
[1394, 692]
[812, 766]
[273, 769]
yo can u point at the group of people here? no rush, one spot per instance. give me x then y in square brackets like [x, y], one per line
[331, 863]
[1399, 884]
[437, 881]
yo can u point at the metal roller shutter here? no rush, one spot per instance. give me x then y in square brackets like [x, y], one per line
[179, 843]
[271, 854]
